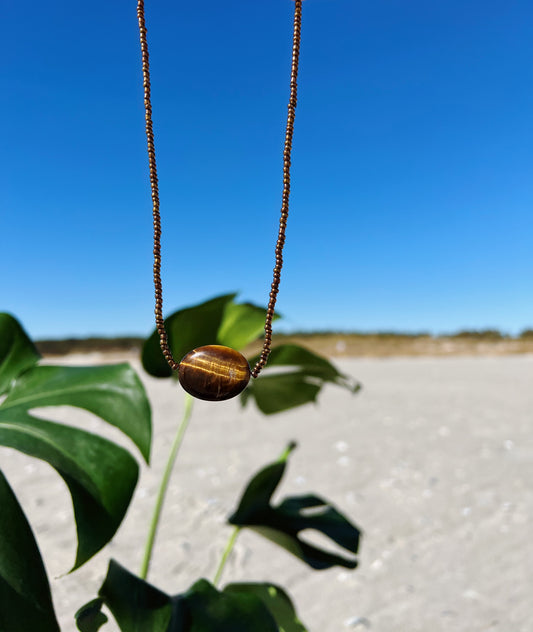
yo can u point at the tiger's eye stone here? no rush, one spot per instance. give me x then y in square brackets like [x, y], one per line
[214, 373]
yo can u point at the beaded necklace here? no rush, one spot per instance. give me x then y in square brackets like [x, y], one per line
[216, 372]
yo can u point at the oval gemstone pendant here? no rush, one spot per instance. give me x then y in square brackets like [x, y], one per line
[214, 373]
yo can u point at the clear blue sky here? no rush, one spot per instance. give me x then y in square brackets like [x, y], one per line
[412, 166]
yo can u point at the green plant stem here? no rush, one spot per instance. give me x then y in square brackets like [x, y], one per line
[164, 485]
[285, 454]
[226, 554]
[233, 537]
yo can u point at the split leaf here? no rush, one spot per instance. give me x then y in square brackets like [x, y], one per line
[100, 475]
[187, 329]
[138, 606]
[113, 392]
[294, 376]
[25, 599]
[283, 524]
[276, 600]
[17, 351]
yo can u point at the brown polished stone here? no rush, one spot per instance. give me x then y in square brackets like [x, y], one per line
[214, 373]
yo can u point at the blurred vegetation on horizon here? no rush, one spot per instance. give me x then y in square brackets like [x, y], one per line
[334, 344]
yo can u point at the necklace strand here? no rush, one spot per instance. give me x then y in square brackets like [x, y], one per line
[154, 186]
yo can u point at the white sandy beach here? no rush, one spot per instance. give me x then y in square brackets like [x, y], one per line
[433, 460]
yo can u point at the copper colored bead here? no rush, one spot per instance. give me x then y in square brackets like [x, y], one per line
[214, 373]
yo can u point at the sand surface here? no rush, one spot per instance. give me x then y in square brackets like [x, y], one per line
[433, 460]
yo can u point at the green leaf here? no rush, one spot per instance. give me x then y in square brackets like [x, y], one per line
[219, 321]
[187, 329]
[282, 524]
[212, 610]
[309, 363]
[276, 600]
[113, 392]
[242, 323]
[25, 599]
[276, 393]
[280, 388]
[17, 351]
[138, 607]
[260, 489]
[101, 476]
[89, 617]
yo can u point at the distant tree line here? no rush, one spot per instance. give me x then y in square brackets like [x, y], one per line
[134, 344]
[88, 345]
[491, 334]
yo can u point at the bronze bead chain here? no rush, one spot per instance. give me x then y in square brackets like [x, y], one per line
[286, 188]
[154, 186]
[209, 373]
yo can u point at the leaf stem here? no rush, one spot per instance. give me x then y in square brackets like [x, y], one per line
[226, 554]
[285, 454]
[164, 485]
[233, 537]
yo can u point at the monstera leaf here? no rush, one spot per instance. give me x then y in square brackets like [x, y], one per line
[241, 324]
[186, 329]
[276, 600]
[100, 475]
[219, 321]
[283, 523]
[294, 375]
[25, 600]
[17, 351]
[138, 607]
